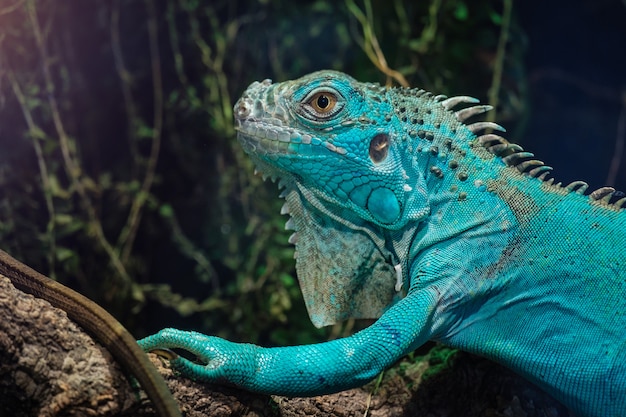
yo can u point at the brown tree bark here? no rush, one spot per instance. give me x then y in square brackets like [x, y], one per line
[50, 367]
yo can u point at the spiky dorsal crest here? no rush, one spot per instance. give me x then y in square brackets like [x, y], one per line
[514, 155]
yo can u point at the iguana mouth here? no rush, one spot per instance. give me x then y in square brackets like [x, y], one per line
[269, 136]
[265, 138]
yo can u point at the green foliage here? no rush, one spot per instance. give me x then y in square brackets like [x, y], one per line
[439, 358]
[119, 170]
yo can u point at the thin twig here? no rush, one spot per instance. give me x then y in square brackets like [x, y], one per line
[36, 134]
[214, 61]
[175, 44]
[190, 250]
[429, 32]
[494, 90]
[222, 48]
[129, 232]
[126, 80]
[11, 8]
[370, 44]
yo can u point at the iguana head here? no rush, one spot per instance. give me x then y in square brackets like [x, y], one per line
[339, 139]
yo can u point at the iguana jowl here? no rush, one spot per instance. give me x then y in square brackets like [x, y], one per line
[406, 212]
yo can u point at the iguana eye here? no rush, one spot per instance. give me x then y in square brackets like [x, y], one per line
[323, 102]
[321, 105]
[379, 147]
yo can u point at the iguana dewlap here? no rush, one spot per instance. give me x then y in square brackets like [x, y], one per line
[406, 212]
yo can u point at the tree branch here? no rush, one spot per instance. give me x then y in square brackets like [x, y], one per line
[50, 367]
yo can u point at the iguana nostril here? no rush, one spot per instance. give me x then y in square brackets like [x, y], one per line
[243, 108]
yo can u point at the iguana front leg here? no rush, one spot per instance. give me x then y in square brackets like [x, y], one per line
[310, 369]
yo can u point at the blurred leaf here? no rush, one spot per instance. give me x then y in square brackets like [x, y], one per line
[496, 18]
[461, 12]
[64, 254]
[144, 131]
[166, 210]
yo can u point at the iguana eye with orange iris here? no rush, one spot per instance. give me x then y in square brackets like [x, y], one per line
[323, 102]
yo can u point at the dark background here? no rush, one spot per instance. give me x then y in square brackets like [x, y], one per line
[576, 71]
[207, 249]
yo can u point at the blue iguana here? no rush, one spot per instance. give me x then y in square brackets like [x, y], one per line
[407, 212]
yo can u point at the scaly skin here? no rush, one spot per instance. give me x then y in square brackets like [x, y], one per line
[403, 212]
